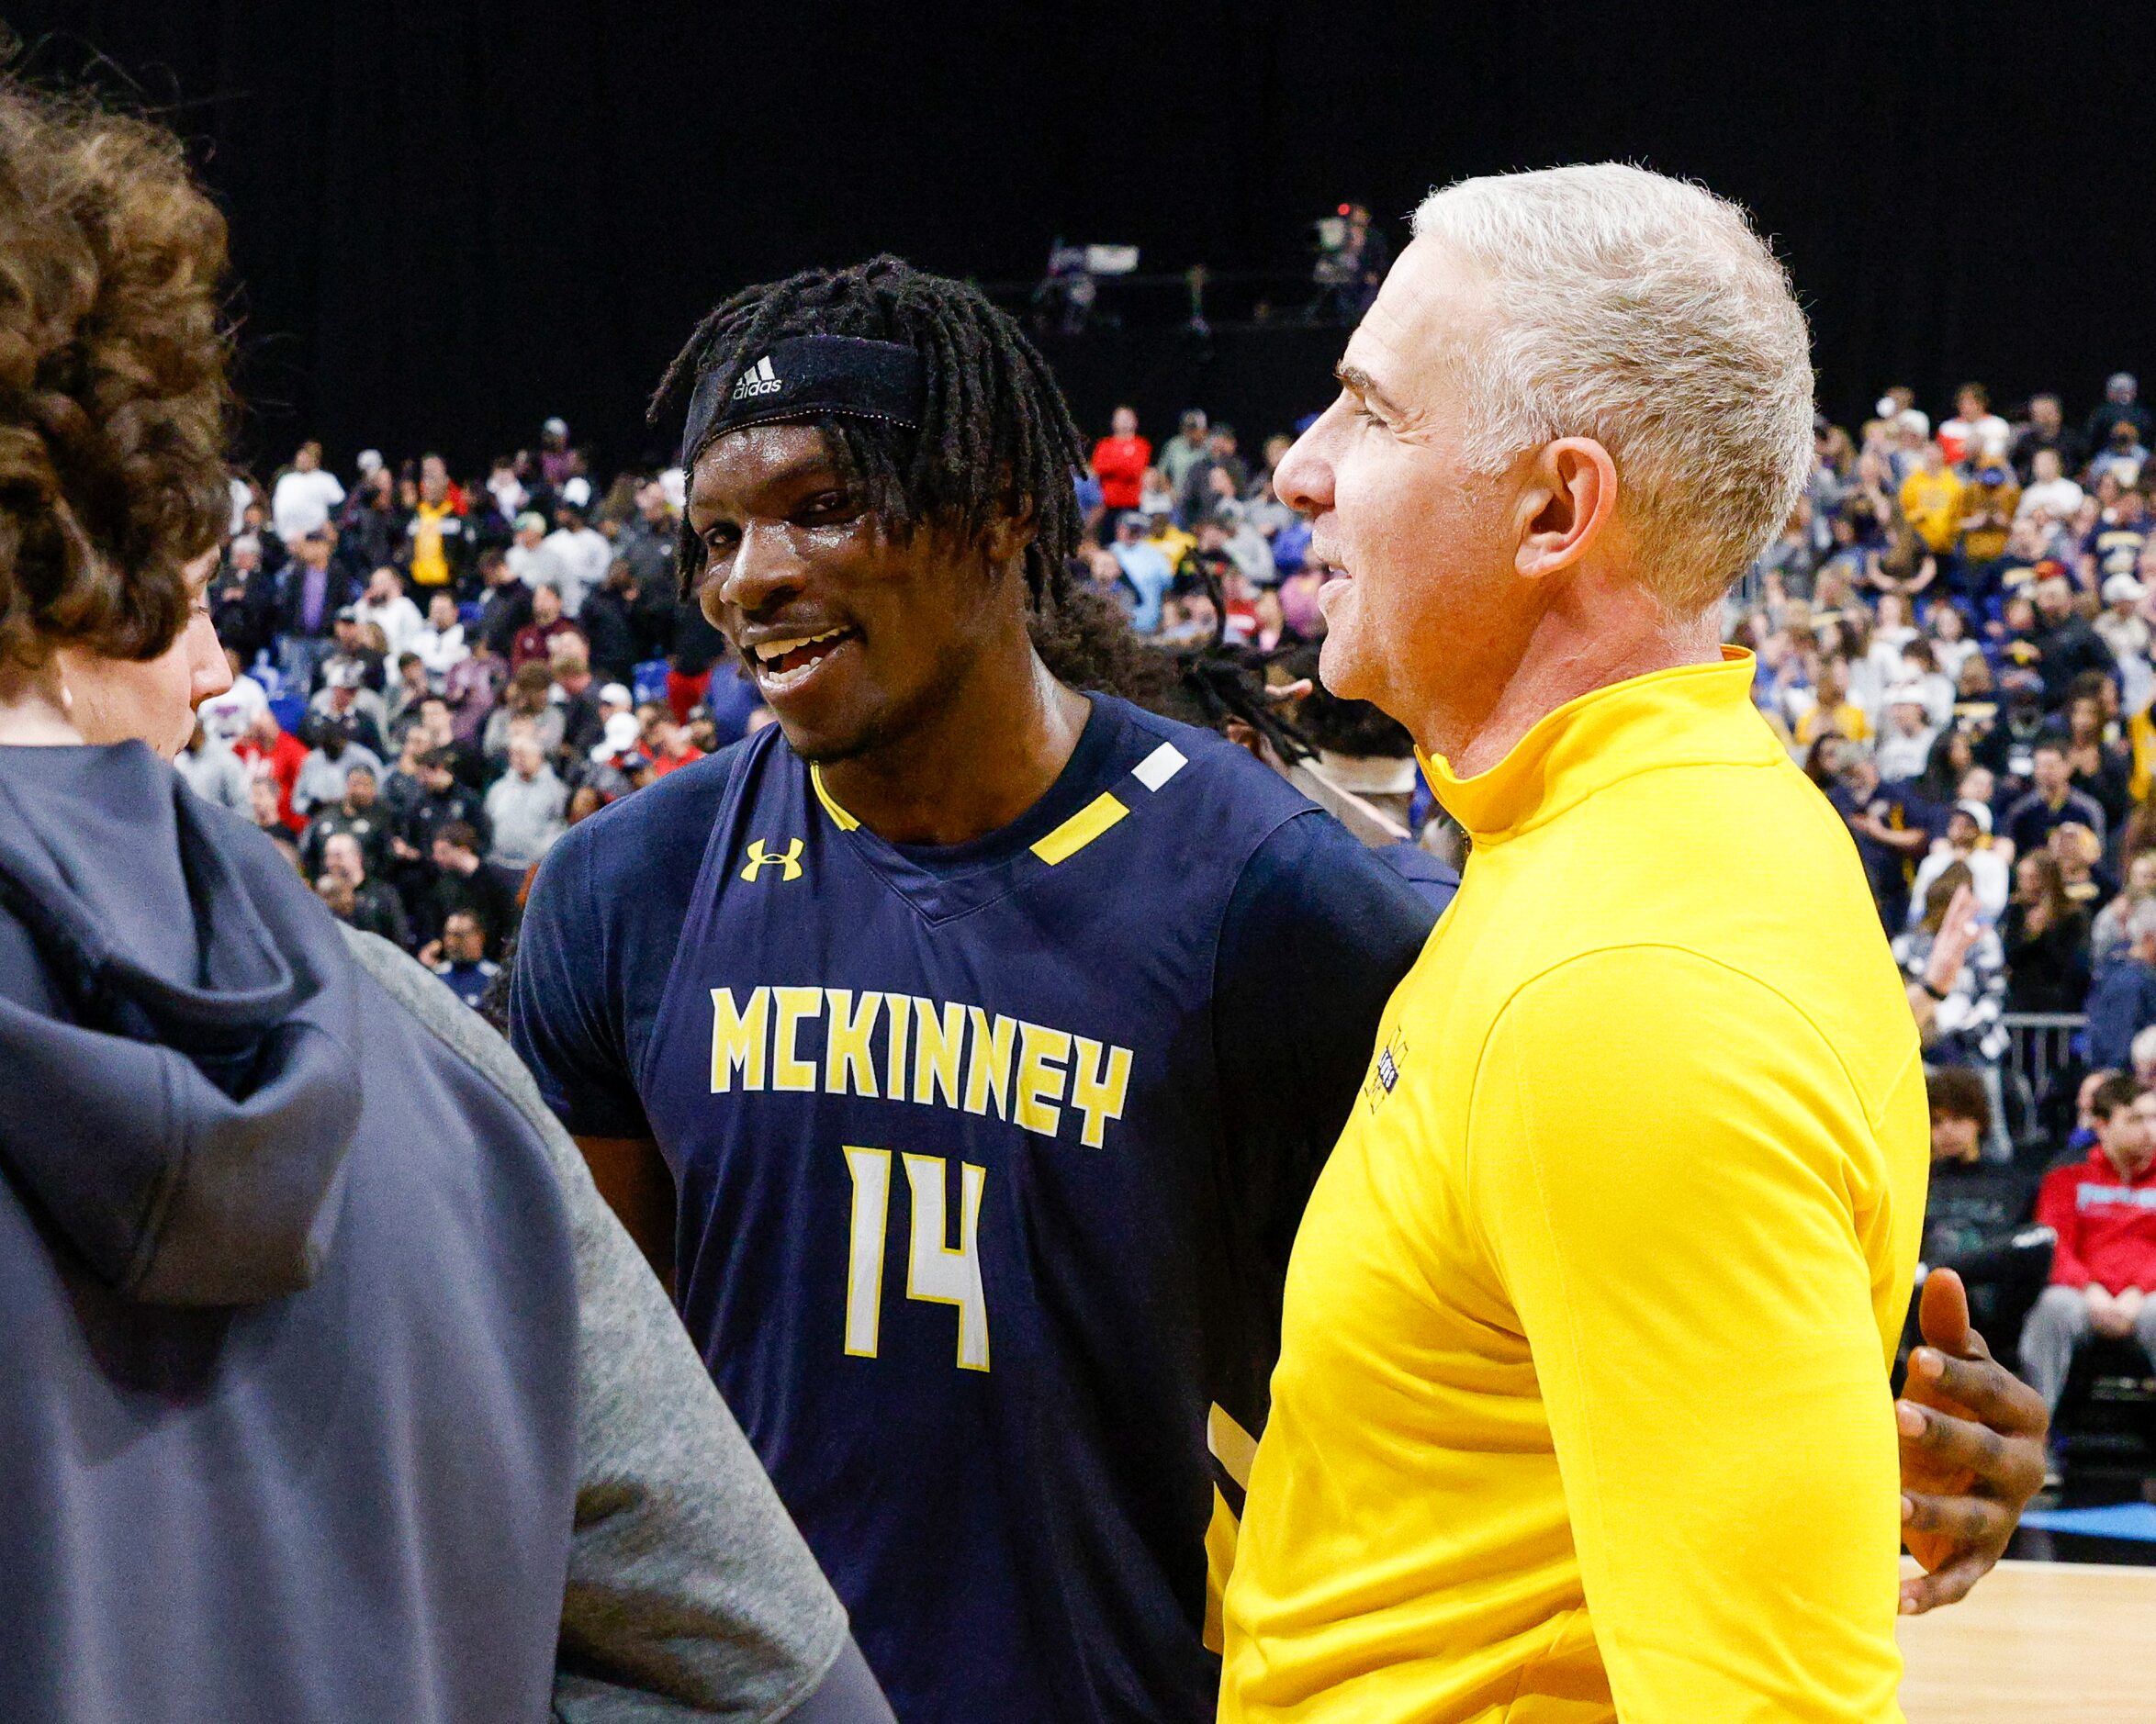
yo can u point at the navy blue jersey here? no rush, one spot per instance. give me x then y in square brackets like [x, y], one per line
[988, 1159]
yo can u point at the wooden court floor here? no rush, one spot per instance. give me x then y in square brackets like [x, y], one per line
[2038, 1643]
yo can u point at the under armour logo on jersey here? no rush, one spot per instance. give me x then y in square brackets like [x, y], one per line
[758, 379]
[760, 856]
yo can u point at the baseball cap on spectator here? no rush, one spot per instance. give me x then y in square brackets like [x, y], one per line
[616, 694]
[556, 427]
[576, 492]
[623, 732]
[1905, 694]
[1978, 812]
[1133, 518]
[530, 520]
[370, 463]
[2124, 589]
[350, 613]
[346, 676]
[1915, 419]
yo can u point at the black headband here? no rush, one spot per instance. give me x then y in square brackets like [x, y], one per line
[806, 377]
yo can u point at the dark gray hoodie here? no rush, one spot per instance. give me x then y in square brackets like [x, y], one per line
[288, 1371]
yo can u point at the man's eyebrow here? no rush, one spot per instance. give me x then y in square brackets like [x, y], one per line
[1357, 381]
[816, 464]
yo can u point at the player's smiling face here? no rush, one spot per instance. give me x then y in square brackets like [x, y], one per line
[850, 634]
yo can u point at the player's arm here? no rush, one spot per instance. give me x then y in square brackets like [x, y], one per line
[565, 1022]
[638, 1187]
[1675, 1186]
[1317, 921]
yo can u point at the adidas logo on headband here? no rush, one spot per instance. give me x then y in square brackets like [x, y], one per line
[758, 379]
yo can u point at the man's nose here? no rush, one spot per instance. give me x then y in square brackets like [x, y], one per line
[764, 569]
[1303, 480]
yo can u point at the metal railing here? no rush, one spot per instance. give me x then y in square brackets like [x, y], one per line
[2040, 1045]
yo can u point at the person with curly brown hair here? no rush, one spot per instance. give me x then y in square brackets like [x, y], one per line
[330, 1390]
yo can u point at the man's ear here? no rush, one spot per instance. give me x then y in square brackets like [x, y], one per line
[1009, 535]
[1566, 502]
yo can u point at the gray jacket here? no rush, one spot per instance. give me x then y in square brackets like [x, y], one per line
[690, 1592]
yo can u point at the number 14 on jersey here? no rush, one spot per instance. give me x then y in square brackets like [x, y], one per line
[936, 1273]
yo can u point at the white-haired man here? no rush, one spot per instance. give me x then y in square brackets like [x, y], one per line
[1649, 1106]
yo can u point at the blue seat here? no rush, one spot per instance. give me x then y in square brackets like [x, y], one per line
[648, 681]
[290, 712]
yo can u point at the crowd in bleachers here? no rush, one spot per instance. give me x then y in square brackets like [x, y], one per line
[1952, 633]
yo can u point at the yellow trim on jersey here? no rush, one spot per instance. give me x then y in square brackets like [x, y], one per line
[1230, 1444]
[1080, 829]
[845, 822]
[1219, 1561]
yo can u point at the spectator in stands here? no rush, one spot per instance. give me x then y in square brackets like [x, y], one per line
[505, 604]
[1146, 573]
[1182, 452]
[376, 909]
[2121, 406]
[230, 715]
[581, 556]
[2103, 1214]
[315, 590]
[575, 694]
[328, 764]
[1832, 707]
[1976, 1210]
[1904, 750]
[1956, 975]
[1988, 505]
[2120, 459]
[243, 599]
[1119, 461]
[462, 882]
[674, 748]
[306, 492]
[358, 814]
[2123, 1001]
[533, 560]
[535, 638]
[1975, 430]
[528, 700]
[268, 751]
[2050, 492]
[524, 807]
[437, 547]
[1967, 843]
[346, 704]
[2051, 800]
[262, 810]
[609, 621]
[2046, 938]
[460, 958]
[407, 694]
[385, 605]
[440, 643]
[2045, 434]
[370, 523]
[2108, 936]
[1932, 497]
[2144, 1066]
[213, 773]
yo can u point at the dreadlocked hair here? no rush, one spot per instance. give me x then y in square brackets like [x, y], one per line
[996, 440]
[1085, 640]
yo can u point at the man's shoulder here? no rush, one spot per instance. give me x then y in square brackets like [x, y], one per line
[645, 850]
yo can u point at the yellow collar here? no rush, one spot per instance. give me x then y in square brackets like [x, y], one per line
[1693, 715]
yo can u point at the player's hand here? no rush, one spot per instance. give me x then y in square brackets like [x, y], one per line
[1972, 1451]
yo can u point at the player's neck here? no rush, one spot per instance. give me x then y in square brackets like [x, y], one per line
[974, 765]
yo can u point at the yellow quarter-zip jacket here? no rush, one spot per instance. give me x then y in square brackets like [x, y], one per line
[1582, 1407]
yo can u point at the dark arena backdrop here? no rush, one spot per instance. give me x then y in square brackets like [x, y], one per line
[451, 217]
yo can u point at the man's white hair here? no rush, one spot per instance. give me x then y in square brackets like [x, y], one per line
[1645, 313]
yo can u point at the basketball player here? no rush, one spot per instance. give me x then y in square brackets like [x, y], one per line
[965, 1044]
